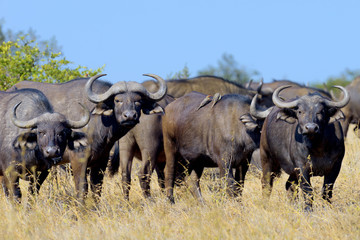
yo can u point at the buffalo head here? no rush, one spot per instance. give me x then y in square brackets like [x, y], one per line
[125, 100]
[312, 111]
[50, 133]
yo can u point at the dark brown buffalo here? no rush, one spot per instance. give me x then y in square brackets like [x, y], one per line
[208, 85]
[304, 138]
[115, 110]
[296, 90]
[145, 140]
[33, 138]
[223, 136]
[352, 110]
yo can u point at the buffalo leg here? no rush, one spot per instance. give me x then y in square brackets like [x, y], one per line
[270, 169]
[307, 190]
[79, 172]
[11, 186]
[159, 168]
[96, 180]
[329, 181]
[147, 168]
[126, 159]
[240, 173]
[36, 181]
[194, 185]
[170, 152]
[227, 174]
[291, 186]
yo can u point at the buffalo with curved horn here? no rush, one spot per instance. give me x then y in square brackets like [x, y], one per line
[33, 138]
[115, 110]
[304, 138]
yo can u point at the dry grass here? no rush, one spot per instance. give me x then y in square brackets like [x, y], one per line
[55, 214]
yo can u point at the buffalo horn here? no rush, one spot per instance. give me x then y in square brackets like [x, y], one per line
[96, 98]
[280, 103]
[341, 103]
[82, 122]
[136, 87]
[258, 89]
[22, 123]
[256, 113]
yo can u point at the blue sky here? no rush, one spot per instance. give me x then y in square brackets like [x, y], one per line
[304, 41]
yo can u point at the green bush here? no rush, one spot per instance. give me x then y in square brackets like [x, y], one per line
[23, 60]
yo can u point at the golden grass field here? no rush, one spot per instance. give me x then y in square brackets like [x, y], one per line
[55, 214]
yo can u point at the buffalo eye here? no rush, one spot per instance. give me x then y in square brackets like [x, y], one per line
[137, 103]
[42, 134]
[118, 101]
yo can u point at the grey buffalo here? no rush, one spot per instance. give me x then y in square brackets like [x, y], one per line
[115, 110]
[223, 135]
[304, 138]
[145, 140]
[33, 138]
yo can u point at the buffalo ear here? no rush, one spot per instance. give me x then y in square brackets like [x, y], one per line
[335, 115]
[249, 122]
[102, 109]
[77, 141]
[153, 108]
[286, 115]
[27, 140]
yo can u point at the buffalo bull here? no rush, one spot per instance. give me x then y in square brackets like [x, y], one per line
[33, 138]
[304, 138]
[352, 109]
[145, 141]
[223, 136]
[115, 110]
[296, 90]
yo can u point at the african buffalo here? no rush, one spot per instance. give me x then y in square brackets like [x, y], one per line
[33, 138]
[208, 84]
[352, 109]
[223, 135]
[304, 138]
[115, 110]
[296, 90]
[145, 141]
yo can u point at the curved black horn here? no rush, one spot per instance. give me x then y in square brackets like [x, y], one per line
[137, 87]
[258, 89]
[280, 103]
[162, 88]
[341, 103]
[256, 113]
[96, 98]
[82, 122]
[21, 123]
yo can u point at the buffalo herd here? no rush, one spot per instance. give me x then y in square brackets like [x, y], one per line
[177, 128]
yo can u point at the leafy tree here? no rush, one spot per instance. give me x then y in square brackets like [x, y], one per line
[343, 79]
[23, 59]
[228, 68]
[184, 73]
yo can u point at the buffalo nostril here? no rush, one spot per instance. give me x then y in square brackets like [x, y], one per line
[52, 151]
[129, 115]
[311, 128]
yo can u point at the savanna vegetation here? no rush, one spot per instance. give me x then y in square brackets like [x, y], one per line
[56, 214]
